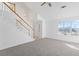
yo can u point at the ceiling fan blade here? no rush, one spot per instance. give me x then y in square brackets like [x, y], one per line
[63, 6]
[43, 3]
[49, 4]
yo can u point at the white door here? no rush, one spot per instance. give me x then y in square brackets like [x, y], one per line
[38, 29]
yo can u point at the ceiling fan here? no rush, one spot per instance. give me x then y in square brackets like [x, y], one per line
[48, 3]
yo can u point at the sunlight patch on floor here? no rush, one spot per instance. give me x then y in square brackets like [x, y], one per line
[71, 46]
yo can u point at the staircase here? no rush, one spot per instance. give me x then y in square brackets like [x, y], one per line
[14, 29]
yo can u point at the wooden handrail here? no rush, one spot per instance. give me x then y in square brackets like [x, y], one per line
[18, 15]
[14, 7]
[23, 25]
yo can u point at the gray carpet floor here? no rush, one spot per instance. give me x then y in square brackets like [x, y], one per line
[44, 47]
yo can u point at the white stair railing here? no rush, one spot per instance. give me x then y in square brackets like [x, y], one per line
[22, 23]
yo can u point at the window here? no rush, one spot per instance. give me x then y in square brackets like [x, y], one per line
[69, 26]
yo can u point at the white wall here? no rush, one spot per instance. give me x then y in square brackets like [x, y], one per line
[71, 12]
